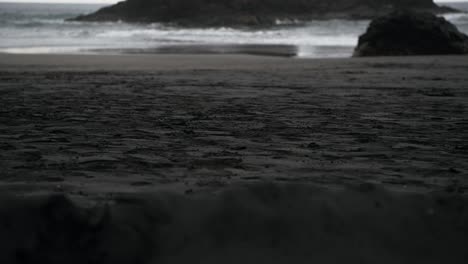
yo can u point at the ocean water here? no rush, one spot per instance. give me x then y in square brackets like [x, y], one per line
[41, 28]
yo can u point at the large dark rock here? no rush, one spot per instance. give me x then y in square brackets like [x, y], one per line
[249, 12]
[411, 33]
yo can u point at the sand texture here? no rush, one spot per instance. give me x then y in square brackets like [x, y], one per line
[258, 223]
[142, 122]
[141, 159]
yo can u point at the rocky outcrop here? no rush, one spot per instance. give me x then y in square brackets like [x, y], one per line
[249, 12]
[411, 33]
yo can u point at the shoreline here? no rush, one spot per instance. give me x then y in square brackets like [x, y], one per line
[187, 61]
[273, 50]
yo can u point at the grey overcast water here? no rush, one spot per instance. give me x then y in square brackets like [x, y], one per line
[41, 28]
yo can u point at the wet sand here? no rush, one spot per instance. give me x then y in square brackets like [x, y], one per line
[141, 122]
[233, 158]
[210, 49]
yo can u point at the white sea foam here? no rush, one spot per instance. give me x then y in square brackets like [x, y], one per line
[36, 35]
[33, 29]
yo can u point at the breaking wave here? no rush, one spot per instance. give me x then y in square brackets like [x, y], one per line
[36, 29]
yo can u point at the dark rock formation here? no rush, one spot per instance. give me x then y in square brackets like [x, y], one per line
[249, 12]
[411, 33]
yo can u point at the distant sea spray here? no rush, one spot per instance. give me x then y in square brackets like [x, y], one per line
[41, 28]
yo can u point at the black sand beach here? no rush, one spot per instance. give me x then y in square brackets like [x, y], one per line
[230, 158]
[142, 121]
